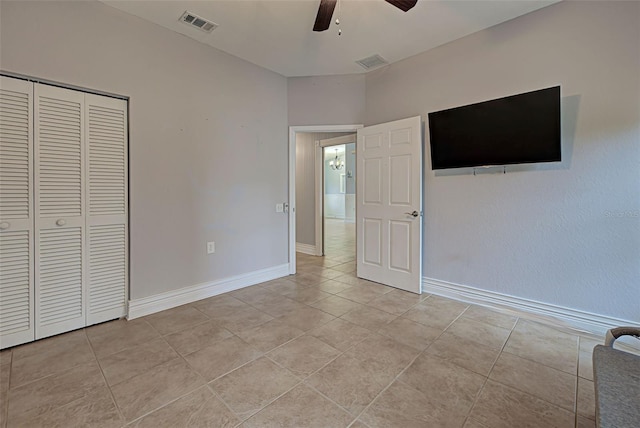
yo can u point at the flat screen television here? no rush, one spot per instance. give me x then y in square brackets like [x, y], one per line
[522, 128]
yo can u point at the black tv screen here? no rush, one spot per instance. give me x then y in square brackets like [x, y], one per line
[522, 128]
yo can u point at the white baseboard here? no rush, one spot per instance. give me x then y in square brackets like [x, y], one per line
[171, 299]
[558, 315]
[306, 249]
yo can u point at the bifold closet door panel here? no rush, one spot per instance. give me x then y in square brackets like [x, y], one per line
[107, 204]
[16, 212]
[60, 295]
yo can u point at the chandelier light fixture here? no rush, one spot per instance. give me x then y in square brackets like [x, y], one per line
[336, 163]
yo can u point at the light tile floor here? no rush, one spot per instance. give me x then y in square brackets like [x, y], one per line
[318, 349]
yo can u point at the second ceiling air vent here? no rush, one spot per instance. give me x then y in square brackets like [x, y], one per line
[372, 61]
[198, 22]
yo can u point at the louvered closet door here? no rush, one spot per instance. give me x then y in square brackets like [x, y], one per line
[106, 132]
[16, 212]
[59, 209]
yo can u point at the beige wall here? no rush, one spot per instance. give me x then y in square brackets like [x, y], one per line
[326, 100]
[208, 136]
[566, 234]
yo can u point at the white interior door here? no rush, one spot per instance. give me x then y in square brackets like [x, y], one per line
[16, 212]
[107, 229]
[389, 204]
[63, 210]
[60, 295]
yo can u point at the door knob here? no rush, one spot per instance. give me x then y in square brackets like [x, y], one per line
[61, 222]
[413, 214]
[4, 225]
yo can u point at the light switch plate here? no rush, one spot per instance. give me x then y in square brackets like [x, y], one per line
[211, 247]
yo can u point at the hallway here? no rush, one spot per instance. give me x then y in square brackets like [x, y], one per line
[339, 240]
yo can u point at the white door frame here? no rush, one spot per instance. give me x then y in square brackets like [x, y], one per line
[319, 183]
[293, 130]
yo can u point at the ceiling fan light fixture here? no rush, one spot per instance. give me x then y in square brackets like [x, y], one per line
[337, 163]
[325, 12]
[326, 8]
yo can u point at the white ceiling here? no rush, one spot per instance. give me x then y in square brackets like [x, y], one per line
[277, 34]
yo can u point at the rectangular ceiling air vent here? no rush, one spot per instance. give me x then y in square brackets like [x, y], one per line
[198, 22]
[372, 61]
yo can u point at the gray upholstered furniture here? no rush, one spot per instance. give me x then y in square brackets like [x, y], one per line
[617, 382]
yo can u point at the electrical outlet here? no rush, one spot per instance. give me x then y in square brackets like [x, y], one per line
[279, 208]
[211, 247]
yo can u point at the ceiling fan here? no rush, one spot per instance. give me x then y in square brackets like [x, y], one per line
[325, 11]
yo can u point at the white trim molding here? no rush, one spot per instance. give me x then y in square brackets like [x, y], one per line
[160, 302]
[306, 249]
[552, 314]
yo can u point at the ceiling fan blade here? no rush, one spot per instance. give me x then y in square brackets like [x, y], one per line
[403, 5]
[325, 12]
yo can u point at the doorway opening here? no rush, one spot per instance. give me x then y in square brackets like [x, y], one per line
[388, 202]
[336, 213]
[305, 189]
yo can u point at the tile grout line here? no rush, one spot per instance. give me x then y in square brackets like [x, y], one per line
[146, 369]
[5, 409]
[127, 348]
[520, 390]
[377, 332]
[163, 405]
[397, 378]
[207, 383]
[224, 403]
[232, 370]
[424, 351]
[40, 378]
[50, 375]
[479, 393]
[177, 398]
[270, 402]
[162, 337]
[104, 378]
[302, 380]
[355, 418]
[537, 362]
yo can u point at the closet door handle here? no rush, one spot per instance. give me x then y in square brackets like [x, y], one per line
[4, 225]
[61, 222]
